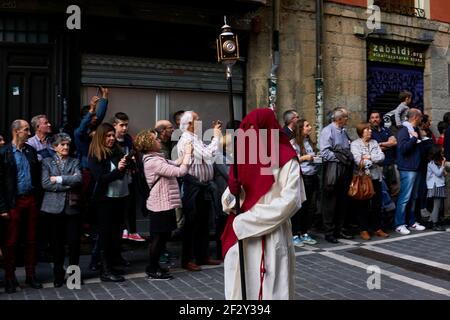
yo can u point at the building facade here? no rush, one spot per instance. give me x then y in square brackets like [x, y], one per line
[159, 56]
[362, 69]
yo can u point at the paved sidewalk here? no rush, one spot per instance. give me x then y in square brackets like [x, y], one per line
[323, 272]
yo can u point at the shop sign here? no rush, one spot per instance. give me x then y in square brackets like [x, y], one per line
[398, 53]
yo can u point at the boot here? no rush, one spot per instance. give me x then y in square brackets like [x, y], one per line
[58, 276]
[107, 275]
[10, 286]
[437, 227]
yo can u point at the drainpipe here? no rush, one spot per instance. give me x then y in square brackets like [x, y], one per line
[275, 55]
[319, 71]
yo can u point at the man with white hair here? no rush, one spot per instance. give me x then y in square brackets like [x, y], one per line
[40, 141]
[335, 150]
[198, 193]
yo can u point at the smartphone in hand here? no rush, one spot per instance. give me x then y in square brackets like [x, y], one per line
[99, 92]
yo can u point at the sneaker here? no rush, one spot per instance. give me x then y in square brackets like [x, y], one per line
[159, 276]
[417, 226]
[306, 238]
[297, 241]
[135, 237]
[125, 234]
[402, 230]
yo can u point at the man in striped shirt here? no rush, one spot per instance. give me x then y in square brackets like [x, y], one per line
[198, 192]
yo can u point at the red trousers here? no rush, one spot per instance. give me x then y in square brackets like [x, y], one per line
[26, 209]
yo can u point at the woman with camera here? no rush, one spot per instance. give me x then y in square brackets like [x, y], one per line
[164, 195]
[61, 180]
[108, 165]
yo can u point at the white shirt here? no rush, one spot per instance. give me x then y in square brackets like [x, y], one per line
[204, 155]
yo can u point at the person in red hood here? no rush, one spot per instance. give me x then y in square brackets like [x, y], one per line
[271, 191]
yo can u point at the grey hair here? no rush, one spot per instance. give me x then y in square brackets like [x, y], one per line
[35, 120]
[59, 138]
[338, 113]
[16, 124]
[188, 116]
[288, 116]
[411, 113]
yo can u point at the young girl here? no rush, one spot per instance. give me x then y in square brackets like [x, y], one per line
[436, 183]
[304, 146]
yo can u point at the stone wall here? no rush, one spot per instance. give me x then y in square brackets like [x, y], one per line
[344, 58]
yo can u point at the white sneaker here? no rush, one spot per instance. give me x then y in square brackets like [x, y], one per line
[402, 230]
[417, 226]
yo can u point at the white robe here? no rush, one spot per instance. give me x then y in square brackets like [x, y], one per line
[269, 217]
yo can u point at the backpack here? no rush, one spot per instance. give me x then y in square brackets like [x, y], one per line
[389, 123]
[389, 119]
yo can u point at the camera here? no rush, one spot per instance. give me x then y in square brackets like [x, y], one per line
[129, 157]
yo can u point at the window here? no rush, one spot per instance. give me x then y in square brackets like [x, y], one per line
[417, 8]
[23, 30]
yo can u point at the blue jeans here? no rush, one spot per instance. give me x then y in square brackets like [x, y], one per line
[409, 187]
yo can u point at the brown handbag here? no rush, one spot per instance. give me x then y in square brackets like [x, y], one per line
[361, 187]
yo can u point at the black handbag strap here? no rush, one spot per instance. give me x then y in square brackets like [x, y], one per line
[154, 183]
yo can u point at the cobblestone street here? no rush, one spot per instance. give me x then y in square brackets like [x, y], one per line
[412, 267]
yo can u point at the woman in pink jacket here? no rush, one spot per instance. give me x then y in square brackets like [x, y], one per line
[161, 176]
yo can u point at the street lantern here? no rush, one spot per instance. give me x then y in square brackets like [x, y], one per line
[227, 46]
[228, 54]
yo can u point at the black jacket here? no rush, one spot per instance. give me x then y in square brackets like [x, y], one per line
[8, 175]
[193, 188]
[102, 175]
[288, 132]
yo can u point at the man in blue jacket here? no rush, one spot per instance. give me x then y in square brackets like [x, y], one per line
[411, 148]
[92, 116]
